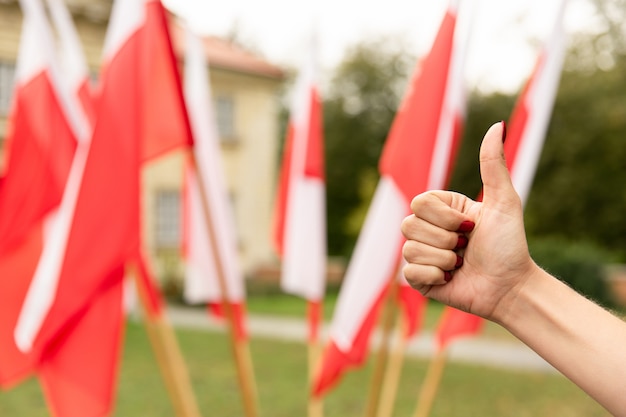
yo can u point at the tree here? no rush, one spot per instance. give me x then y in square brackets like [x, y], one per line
[578, 192]
[482, 112]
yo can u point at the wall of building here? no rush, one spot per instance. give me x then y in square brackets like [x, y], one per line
[10, 27]
[250, 165]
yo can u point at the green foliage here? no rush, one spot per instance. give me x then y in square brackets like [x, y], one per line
[362, 100]
[578, 189]
[580, 264]
[577, 192]
[482, 112]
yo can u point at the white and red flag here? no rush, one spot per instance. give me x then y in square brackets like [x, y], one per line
[201, 266]
[416, 157]
[47, 133]
[300, 211]
[524, 141]
[140, 115]
[40, 141]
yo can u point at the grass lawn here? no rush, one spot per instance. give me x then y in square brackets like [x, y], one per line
[280, 373]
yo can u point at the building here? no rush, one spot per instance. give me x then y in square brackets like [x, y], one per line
[246, 99]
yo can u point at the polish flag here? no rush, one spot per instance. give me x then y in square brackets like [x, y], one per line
[201, 269]
[300, 213]
[140, 114]
[416, 157]
[48, 133]
[37, 128]
[526, 133]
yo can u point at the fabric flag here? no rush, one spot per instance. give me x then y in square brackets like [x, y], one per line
[415, 158]
[451, 123]
[524, 140]
[47, 123]
[87, 350]
[300, 212]
[201, 269]
[140, 114]
[37, 128]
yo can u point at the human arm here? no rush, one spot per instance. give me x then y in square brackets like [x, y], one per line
[499, 281]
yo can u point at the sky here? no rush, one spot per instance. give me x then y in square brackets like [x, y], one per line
[502, 48]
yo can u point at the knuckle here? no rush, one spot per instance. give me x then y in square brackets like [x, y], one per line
[407, 225]
[419, 201]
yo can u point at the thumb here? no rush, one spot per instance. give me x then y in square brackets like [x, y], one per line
[497, 185]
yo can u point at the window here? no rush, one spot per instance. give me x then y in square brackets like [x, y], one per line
[7, 74]
[225, 114]
[168, 219]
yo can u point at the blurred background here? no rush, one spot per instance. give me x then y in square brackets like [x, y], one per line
[366, 58]
[368, 51]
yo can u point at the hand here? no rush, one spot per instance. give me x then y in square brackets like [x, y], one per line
[468, 254]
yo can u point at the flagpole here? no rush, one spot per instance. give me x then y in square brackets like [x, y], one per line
[389, 316]
[166, 349]
[241, 351]
[315, 403]
[394, 370]
[429, 389]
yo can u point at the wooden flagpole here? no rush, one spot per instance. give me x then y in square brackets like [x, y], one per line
[389, 315]
[431, 384]
[394, 370]
[241, 351]
[315, 406]
[167, 352]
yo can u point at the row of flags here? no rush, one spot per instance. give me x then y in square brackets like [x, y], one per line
[70, 211]
[418, 156]
[70, 225]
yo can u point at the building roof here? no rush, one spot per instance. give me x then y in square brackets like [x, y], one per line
[224, 54]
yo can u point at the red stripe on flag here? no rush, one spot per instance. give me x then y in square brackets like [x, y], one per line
[282, 192]
[456, 323]
[335, 361]
[40, 150]
[408, 151]
[518, 123]
[314, 164]
[414, 306]
[165, 123]
[457, 132]
[18, 262]
[80, 366]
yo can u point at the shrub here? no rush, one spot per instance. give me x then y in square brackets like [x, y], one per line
[580, 264]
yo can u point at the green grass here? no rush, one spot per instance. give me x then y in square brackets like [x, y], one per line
[280, 373]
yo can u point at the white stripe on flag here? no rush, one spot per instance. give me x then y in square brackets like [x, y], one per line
[372, 264]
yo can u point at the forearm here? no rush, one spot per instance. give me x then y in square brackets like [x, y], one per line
[579, 338]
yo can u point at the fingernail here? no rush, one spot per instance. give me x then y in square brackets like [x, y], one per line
[462, 242]
[447, 276]
[459, 261]
[466, 226]
[503, 130]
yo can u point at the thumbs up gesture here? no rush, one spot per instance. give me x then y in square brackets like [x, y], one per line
[472, 255]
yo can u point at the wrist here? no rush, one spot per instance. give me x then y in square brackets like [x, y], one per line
[516, 304]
